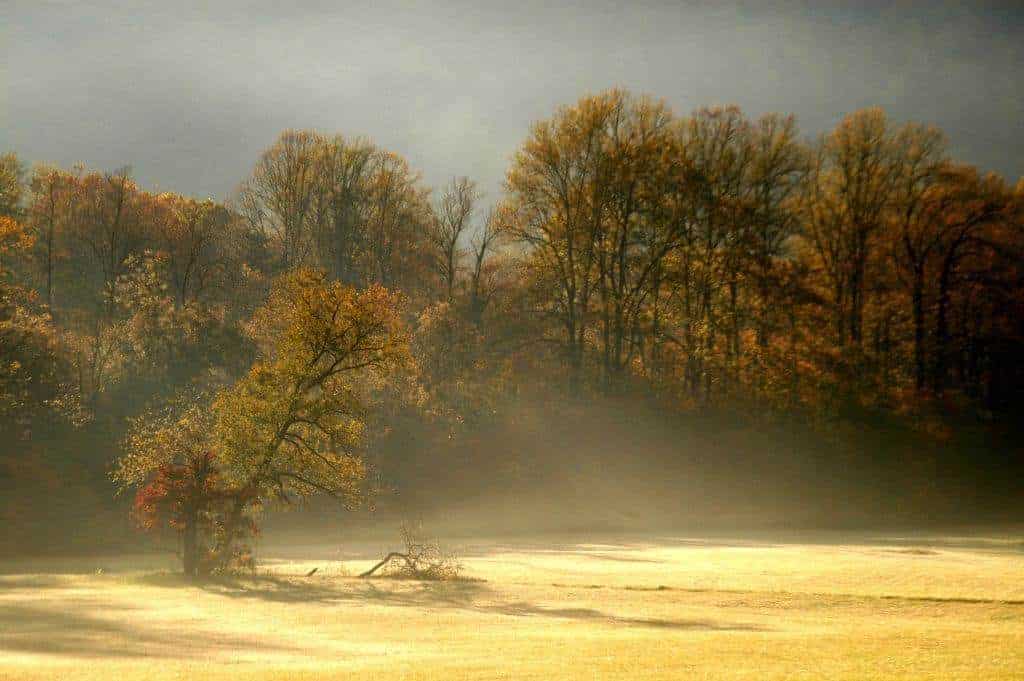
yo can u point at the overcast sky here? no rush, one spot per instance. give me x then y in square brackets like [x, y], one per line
[189, 97]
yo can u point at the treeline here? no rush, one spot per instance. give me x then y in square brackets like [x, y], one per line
[730, 260]
[708, 263]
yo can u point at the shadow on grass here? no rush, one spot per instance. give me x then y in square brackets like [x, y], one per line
[70, 628]
[13, 582]
[84, 623]
[464, 595]
[85, 564]
[523, 609]
[276, 589]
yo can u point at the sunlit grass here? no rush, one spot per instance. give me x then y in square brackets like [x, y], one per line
[665, 608]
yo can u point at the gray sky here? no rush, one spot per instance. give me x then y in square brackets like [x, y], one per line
[189, 94]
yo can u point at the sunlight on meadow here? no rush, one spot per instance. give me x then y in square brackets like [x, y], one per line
[664, 608]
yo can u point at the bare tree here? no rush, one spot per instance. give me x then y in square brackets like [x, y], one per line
[279, 196]
[483, 272]
[453, 216]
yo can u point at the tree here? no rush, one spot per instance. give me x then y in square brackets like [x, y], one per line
[162, 341]
[558, 187]
[169, 459]
[396, 230]
[342, 206]
[918, 205]
[196, 238]
[34, 369]
[709, 261]
[777, 173]
[849, 194]
[292, 427]
[109, 220]
[37, 403]
[717, 143]
[485, 267]
[968, 250]
[31, 367]
[279, 196]
[452, 218]
[49, 206]
[637, 234]
[642, 229]
[12, 185]
[356, 210]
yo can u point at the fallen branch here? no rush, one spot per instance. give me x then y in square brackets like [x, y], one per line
[423, 558]
[387, 559]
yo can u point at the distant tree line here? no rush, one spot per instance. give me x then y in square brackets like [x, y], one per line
[707, 263]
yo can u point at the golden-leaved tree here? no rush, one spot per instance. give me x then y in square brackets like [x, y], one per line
[293, 426]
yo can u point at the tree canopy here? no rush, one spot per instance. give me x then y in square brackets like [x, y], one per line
[339, 327]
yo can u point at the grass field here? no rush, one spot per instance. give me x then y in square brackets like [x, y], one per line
[551, 608]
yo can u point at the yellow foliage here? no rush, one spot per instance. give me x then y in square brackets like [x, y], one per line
[294, 424]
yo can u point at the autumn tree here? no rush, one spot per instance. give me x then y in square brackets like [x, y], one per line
[717, 143]
[163, 343]
[655, 231]
[558, 185]
[917, 212]
[12, 185]
[36, 390]
[703, 261]
[170, 462]
[849, 197]
[290, 428]
[357, 211]
[35, 386]
[399, 216]
[49, 209]
[196, 239]
[342, 206]
[293, 426]
[109, 221]
[637, 234]
[12, 199]
[30, 365]
[776, 175]
[975, 230]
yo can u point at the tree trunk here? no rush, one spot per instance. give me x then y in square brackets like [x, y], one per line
[940, 367]
[918, 304]
[190, 546]
[49, 268]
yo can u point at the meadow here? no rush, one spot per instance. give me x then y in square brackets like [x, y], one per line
[668, 607]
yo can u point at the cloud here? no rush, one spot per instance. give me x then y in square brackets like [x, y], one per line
[189, 95]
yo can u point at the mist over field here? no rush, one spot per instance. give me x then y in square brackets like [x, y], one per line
[461, 341]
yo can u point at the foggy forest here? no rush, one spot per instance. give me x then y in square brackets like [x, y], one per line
[682, 368]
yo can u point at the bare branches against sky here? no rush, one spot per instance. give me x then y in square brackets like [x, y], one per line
[188, 95]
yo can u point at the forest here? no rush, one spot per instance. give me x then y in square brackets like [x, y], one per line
[335, 333]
